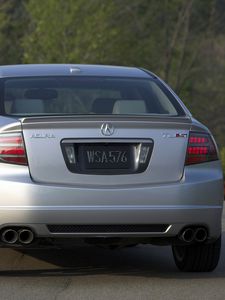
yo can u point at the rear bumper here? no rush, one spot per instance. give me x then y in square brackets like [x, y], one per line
[196, 200]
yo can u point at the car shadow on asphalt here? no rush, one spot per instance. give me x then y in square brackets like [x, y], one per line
[145, 261]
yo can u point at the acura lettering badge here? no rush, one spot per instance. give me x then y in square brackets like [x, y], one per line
[107, 129]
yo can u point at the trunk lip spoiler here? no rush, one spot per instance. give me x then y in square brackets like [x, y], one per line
[108, 118]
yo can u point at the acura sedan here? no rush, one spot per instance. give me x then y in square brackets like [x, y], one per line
[108, 156]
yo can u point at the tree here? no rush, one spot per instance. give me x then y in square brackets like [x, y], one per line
[13, 19]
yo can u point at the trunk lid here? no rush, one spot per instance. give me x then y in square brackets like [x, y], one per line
[44, 136]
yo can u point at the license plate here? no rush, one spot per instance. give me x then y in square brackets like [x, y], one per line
[106, 156]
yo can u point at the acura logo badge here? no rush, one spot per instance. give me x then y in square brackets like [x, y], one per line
[107, 129]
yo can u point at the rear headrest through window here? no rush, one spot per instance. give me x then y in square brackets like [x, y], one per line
[129, 107]
[25, 106]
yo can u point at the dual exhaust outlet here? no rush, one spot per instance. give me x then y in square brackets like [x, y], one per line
[13, 236]
[190, 234]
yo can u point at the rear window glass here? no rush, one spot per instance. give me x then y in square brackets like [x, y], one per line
[87, 95]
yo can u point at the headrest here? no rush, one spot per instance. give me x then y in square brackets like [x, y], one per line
[129, 107]
[24, 106]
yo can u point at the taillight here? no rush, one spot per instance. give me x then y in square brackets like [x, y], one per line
[201, 148]
[12, 149]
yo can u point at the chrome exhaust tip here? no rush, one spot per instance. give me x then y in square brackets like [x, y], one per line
[9, 236]
[201, 234]
[26, 236]
[188, 235]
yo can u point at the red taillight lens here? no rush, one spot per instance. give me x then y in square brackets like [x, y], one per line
[201, 148]
[12, 149]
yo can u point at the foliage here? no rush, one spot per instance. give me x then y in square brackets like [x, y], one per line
[13, 24]
[222, 153]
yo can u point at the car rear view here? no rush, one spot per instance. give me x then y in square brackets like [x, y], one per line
[106, 155]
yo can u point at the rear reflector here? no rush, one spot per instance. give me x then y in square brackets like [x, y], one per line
[201, 148]
[12, 149]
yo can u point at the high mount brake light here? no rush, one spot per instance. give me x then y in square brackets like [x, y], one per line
[12, 149]
[201, 148]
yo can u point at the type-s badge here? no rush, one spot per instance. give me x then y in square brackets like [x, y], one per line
[174, 135]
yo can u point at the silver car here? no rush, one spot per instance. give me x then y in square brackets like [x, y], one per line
[109, 156]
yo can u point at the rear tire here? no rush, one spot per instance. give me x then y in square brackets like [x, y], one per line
[197, 257]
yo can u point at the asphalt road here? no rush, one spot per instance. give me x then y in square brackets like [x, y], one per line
[142, 272]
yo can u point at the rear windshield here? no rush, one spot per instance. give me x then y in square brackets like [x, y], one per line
[87, 95]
